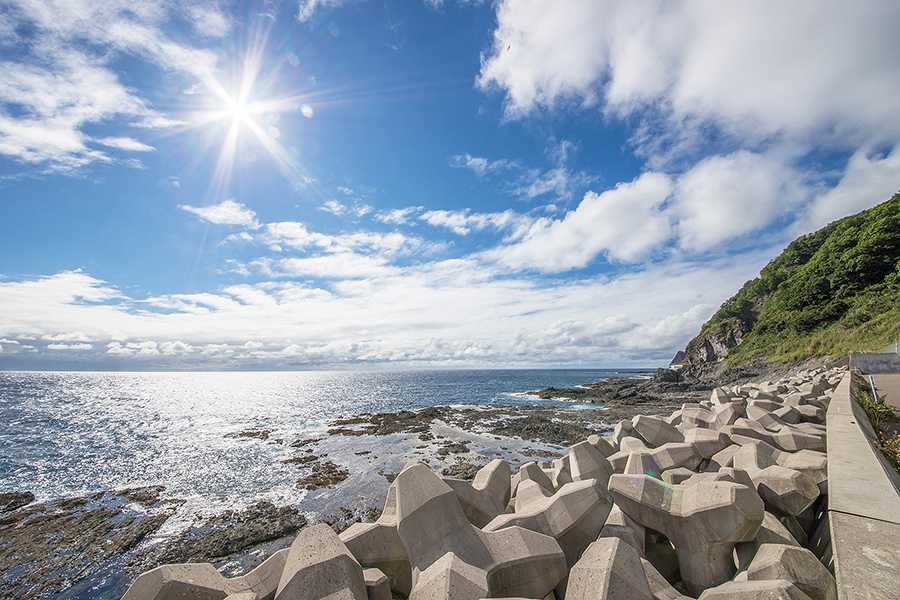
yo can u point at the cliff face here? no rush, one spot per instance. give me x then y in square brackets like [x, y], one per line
[829, 293]
[713, 346]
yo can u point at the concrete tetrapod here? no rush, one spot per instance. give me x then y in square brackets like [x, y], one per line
[201, 581]
[451, 558]
[573, 516]
[755, 590]
[609, 569]
[655, 431]
[318, 566]
[788, 491]
[703, 521]
[198, 581]
[377, 545]
[586, 462]
[487, 495]
[794, 564]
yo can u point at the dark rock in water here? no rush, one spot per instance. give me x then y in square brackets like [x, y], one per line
[232, 532]
[262, 434]
[15, 500]
[453, 448]
[461, 470]
[536, 427]
[46, 548]
[324, 474]
[147, 496]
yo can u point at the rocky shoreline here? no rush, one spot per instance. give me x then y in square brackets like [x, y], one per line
[126, 524]
[721, 499]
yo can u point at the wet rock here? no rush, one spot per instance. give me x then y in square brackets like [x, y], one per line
[15, 500]
[261, 434]
[232, 532]
[48, 547]
[324, 474]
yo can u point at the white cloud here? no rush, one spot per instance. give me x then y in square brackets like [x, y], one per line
[125, 143]
[228, 212]
[373, 311]
[397, 216]
[209, 21]
[69, 346]
[463, 221]
[481, 166]
[867, 181]
[624, 223]
[757, 68]
[60, 80]
[308, 8]
[75, 336]
[723, 197]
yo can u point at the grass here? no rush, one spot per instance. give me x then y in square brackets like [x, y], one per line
[879, 412]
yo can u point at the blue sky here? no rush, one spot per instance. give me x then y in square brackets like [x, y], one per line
[348, 184]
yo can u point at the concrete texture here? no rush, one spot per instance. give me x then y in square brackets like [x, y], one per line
[703, 521]
[755, 590]
[171, 582]
[573, 516]
[794, 564]
[864, 505]
[609, 569]
[451, 558]
[377, 545]
[320, 566]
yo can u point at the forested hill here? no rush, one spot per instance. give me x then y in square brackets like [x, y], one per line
[830, 292]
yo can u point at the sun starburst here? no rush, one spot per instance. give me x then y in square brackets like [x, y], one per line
[240, 103]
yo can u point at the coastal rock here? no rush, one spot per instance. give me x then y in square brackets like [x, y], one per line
[15, 500]
[713, 346]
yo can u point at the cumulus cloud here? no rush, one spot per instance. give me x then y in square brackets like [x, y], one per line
[743, 66]
[462, 222]
[370, 310]
[722, 197]
[624, 223]
[228, 212]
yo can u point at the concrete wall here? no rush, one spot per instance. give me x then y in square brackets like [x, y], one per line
[863, 503]
[882, 362]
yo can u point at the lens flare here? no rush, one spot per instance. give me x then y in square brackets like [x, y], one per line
[273, 131]
[307, 111]
[294, 60]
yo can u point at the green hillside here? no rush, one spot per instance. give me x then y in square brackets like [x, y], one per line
[830, 292]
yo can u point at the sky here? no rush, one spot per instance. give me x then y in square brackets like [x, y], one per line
[345, 184]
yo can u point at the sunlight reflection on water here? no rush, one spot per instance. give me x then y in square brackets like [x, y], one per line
[67, 434]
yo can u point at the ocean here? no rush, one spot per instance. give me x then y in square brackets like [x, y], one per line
[73, 434]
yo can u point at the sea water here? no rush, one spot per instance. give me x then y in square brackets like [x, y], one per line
[66, 434]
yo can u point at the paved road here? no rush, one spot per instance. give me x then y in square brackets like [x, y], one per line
[888, 387]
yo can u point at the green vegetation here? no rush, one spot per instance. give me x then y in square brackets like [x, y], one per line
[878, 412]
[830, 293]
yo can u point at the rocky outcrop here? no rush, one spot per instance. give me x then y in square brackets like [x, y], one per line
[717, 500]
[713, 346]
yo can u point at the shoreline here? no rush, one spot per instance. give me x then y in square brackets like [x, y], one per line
[454, 440]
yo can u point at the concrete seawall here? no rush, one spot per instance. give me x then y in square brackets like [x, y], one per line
[863, 503]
